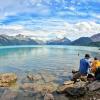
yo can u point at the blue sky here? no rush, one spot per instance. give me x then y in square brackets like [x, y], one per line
[46, 19]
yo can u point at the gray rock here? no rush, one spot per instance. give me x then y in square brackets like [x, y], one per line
[27, 86]
[76, 92]
[61, 89]
[94, 86]
[35, 77]
[9, 95]
[7, 79]
[48, 96]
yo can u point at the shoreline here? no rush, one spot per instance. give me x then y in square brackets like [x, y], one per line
[36, 86]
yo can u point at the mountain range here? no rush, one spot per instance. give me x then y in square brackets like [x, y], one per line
[82, 41]
[88, 41]
[25, 40]
[96, 40]
[63, 41]
[16, 40]
[96, 37]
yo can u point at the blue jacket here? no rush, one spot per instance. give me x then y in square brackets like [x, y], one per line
[84, 65]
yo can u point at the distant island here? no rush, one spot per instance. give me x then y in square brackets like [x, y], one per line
[19, 39]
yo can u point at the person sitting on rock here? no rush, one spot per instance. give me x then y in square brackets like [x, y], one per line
[95, 68]
[84, 65]
[83, 69]
[95, 64]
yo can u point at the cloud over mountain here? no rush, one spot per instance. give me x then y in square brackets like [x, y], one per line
[52, 28]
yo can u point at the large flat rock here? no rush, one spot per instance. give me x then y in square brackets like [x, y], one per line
[7, 79]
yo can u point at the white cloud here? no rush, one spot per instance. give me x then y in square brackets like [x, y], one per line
[13, 27]
[95, 15]
[72, 8]
[14, 7]
[46, 7]
[34, 1]
[54, 28]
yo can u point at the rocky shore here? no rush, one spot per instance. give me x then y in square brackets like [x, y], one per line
[43, 87]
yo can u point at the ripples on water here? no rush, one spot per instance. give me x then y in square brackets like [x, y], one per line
[53, 59]
[37, 58]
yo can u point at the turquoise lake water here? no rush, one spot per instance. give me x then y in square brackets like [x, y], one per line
[55, 59]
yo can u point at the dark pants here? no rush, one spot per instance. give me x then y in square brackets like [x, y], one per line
[97, 74]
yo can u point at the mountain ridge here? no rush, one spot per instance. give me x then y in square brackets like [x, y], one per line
[96, 37]
[26, 40]
[16, 40]
[82, 41]
[63, 41]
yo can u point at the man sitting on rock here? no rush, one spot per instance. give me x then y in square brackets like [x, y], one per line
[83, 68]
[84, 65]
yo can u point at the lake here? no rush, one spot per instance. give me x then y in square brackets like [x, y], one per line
[54, 59]
[57, 60]
[37, 58]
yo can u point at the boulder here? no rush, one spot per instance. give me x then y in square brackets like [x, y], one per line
[9, 95]
[33, 88]
[94, 86]
[28, 89]
[7, 79]
[83, 78]
[76, 75]
[48, 77]
[76, 92]
[2, 89]
[62, 88]
[30, 77]
[48, 96]
[68, 82]
[45, 87]
[80, 84]
[34, 77]
[4, 84]
[27, 86]
[71, 85]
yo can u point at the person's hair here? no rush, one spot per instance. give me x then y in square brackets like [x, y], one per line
[87, 56]
[95, 58]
